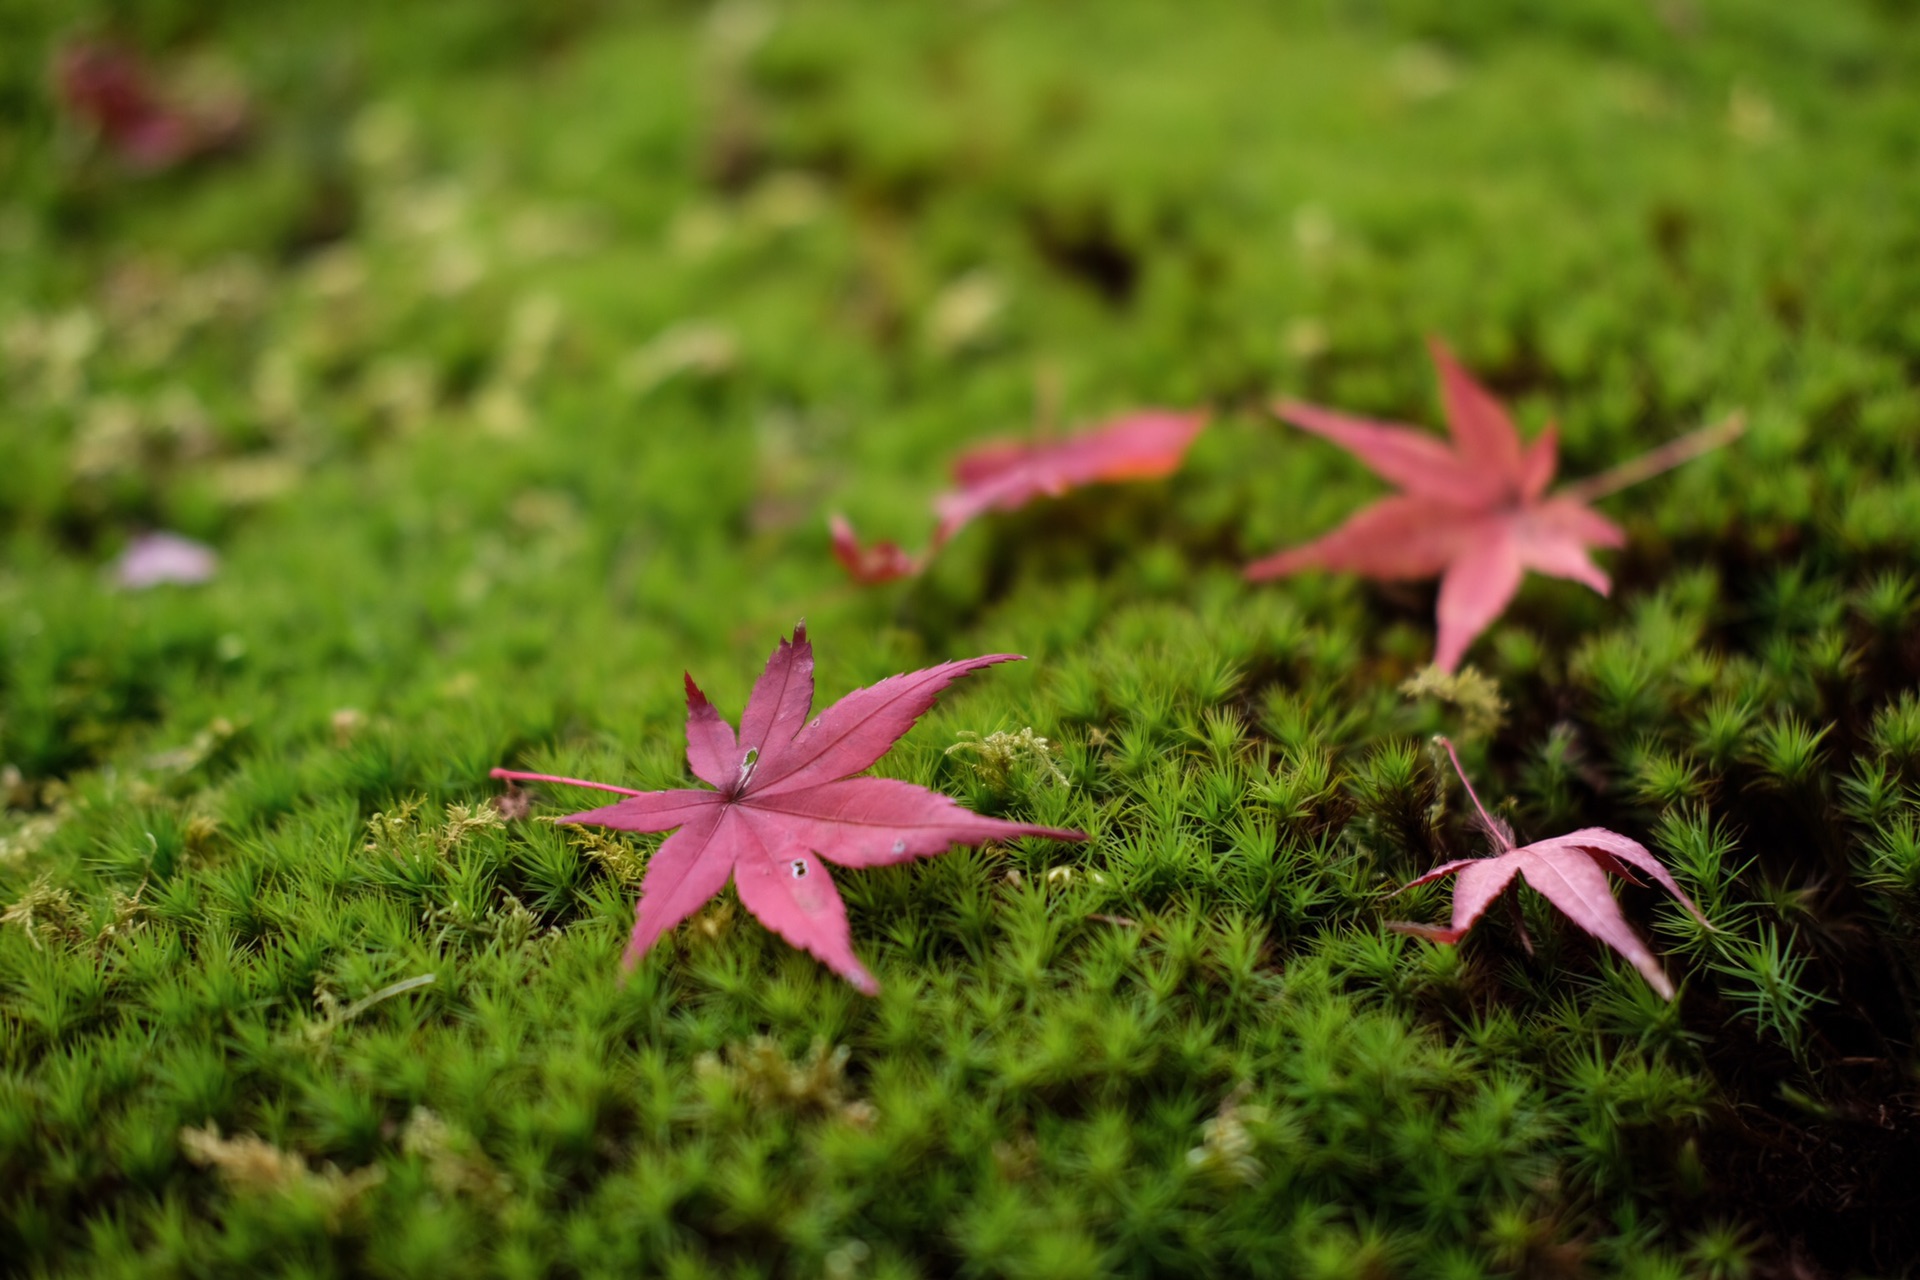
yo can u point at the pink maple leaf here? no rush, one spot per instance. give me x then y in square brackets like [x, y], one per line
[1005, 475]
[1474, 513]
[1570, 871]
[784, 797]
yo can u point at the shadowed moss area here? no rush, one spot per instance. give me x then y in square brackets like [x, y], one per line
[513, 365]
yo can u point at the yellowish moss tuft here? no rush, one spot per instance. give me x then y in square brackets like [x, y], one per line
[1226, 1147]
[1469, 691]
[759, 1071]
[995, 756]
[455, 1163]
[45, 913]
[250, 1166]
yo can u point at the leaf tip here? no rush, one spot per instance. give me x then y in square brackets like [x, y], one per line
[1288, 409]
[1274, 566]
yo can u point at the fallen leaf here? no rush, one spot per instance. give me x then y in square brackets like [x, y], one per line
[784, 797]
[112, 91]
[1570, 871]
[1006, 475]
[872, 563]
[1475, 513]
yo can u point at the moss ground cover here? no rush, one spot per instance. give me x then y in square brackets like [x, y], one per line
[513, 367]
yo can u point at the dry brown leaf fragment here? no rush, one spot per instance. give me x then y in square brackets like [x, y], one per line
[247, 1165]
[456, 1164]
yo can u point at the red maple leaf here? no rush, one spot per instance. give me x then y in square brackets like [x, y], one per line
[112, 91]
[1475, 514]
[1570, 871]
[784, 793]
[1005, 475]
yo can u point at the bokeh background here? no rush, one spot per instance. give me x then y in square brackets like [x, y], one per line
[510, 360]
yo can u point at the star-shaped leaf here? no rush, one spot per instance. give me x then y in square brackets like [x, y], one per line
[784, 797]
[1474, 512]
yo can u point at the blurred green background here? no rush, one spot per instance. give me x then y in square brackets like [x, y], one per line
[512, 358]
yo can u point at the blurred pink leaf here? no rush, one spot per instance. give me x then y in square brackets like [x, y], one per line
[112, 91]
[1009, 474]
[784, 797]
[1472, 513]
[874, 562]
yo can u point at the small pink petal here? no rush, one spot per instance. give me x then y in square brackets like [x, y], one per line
[153, 559]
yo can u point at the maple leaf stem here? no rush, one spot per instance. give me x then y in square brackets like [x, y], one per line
[1655, 461]
[1454, 756]
[514, 776]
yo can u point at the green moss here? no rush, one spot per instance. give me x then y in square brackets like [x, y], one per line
[514, 367]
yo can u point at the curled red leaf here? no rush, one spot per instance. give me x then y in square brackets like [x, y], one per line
[1005, 475]
[872, 563]
[1570, 871]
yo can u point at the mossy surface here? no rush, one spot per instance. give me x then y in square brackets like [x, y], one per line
[513, 368]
